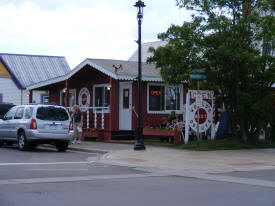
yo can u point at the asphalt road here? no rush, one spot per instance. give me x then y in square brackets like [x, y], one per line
[46, 177]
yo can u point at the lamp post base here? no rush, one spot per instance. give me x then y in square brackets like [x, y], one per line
[139, 145]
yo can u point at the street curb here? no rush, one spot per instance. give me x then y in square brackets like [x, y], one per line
[88, 150]
[80, 149]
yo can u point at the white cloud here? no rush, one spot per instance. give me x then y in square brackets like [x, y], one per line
[102, 29]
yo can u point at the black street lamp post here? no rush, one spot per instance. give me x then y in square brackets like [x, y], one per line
[139, 145]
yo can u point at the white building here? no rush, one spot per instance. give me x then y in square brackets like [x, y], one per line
[18, 71]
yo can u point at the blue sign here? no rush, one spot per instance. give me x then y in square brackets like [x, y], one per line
[197, 76]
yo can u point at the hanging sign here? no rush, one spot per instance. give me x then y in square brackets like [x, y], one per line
[198, 100]
[199, 103]
[205, 116]
[206, 94]
[84, 99]
[155, 92]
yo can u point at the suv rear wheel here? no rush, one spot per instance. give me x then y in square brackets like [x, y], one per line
[23, 144]
[62, 146]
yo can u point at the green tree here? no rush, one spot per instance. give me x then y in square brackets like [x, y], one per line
[234, 40]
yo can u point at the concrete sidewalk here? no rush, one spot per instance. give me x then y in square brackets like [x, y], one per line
[252, 167]
[167, 158]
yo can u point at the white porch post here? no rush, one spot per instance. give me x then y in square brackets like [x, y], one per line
[102, 119]
[95, 118]
[187, 118]
[88, 118]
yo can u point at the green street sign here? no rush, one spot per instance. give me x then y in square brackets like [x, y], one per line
[197, 76]
[198, 71]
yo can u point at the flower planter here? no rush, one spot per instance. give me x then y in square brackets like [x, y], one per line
[90, 134]
[87, 133]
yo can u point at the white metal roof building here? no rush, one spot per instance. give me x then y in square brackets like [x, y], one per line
[144, 50]
[18, 71]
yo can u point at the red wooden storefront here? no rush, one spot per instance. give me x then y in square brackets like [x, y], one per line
[106, 90]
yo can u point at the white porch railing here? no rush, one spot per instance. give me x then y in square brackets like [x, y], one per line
[96, 112]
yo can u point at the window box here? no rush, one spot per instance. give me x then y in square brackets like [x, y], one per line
[92, 133]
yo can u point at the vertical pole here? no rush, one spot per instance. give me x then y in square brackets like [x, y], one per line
[67, 93]
[111, 114]
[139, 145]
[30, 96]
[186, 139]
[198, 111]
[213, 115]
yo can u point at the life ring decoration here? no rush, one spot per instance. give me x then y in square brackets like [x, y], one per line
[84, 99]
[205, 116]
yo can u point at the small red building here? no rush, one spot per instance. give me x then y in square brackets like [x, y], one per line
[106, 90]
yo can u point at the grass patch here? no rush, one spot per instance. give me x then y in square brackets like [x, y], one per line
[217, 144]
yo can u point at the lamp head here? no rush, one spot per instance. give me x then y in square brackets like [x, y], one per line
[140, 5]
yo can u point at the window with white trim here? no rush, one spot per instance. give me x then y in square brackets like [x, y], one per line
[72, 97]
[164, 98]
[172, 98]
[101, 95]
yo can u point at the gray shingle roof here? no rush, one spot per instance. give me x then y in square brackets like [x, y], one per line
[144, 50]
[127, 69]
[32, 69]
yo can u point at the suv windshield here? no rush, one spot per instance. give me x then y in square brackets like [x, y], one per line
[52, 113]
[4, 108]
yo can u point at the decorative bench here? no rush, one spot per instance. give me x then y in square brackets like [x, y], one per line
[162, 134]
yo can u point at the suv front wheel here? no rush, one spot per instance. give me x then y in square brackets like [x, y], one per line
[62, 146]
[23, 144]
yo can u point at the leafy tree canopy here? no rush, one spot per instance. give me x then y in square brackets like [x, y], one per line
[234, 41]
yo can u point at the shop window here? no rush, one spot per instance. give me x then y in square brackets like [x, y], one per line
[101, 96]
[126, 98]
[72, 97]
[172, 98]
[164, 98]
[156, 98]
[45, 98]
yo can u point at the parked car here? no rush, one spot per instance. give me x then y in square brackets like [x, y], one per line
[4, 108]
[31, 125]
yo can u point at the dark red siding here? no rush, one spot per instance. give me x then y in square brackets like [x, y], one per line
[87, 77]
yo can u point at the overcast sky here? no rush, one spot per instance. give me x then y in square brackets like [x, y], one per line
[79, 29]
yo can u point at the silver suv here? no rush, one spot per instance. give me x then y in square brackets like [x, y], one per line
[30, 125]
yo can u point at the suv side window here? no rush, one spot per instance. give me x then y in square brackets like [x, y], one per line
[28, 112]
[19, 113]
[10, 113]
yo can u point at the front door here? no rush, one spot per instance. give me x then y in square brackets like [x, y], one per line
[125, 106]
